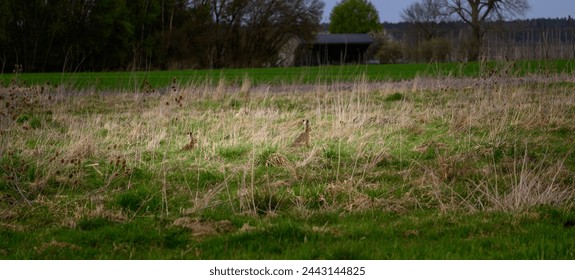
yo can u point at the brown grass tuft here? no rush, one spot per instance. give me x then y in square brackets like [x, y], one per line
[201, 228]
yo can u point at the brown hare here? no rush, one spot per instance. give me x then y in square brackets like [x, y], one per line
[303, 138]
[192, 144]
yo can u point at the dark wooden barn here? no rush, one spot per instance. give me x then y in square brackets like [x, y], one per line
[335, 49]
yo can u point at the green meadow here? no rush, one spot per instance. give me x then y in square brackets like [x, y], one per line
[289, 75]
[434, 161]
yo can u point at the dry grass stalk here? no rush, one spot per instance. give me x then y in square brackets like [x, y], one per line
[532, 184]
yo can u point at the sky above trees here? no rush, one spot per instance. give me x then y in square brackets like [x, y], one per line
[390, 10]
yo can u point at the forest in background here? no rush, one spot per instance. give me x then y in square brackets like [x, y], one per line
[88, 35]
[528, 39]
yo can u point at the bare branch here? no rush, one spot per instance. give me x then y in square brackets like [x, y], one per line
[476, 12]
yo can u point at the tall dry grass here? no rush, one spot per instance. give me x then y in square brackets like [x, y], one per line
[395, 146]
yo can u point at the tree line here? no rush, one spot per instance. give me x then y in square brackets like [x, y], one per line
[517, 39]
[470, 30]
[100, 35]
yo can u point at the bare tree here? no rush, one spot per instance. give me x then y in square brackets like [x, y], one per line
[427, 15]
[247, 33]
[476, 12]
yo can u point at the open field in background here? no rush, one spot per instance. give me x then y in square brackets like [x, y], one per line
[447, 167]
[287, 76]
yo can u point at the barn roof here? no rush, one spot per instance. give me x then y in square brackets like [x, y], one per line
[328, 39]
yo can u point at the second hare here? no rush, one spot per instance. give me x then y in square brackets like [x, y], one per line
[303, 138]
[191, 144]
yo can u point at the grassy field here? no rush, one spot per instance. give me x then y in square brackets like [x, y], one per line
[285, 76]
[475, 166]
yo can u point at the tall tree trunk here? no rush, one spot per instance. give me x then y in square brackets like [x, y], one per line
[474, 51]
